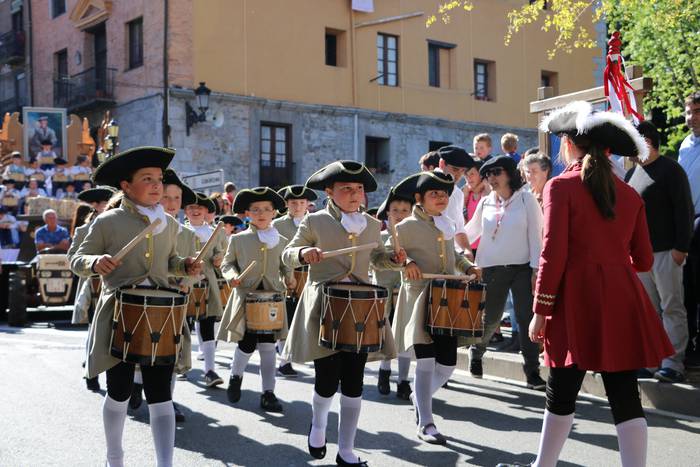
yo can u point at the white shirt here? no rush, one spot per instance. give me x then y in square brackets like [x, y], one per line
[455, 207]
[518, 238]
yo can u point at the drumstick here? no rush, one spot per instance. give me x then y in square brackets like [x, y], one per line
[246, 270]
[130, 246]
[395, 238]
[209, 243]
[352, 249]
[456, 277]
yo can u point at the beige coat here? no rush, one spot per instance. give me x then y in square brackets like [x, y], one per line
[214, 306]
[387, 278]
[244, 248]
[185, 248]
[83, 295]
[323, 229]
[425, 245]
[286, 226]
[155, 258]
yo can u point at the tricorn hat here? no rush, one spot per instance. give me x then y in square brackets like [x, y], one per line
[456, 156]
[97, 194]
[248, 196]
[123, 165]
[342, 171]
[171, 178]
[383, 209]
[297, 192]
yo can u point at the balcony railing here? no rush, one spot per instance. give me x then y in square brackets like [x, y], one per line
[91, 88]
[12, 47]
[13, 92]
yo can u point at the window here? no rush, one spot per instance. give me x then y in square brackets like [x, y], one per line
[135, 28]
[484, 80]
[61, 64]
[335, 47]
[435, 145]
[439, 63]
[550, 79]
[58, 7]
[377, 154]
[275, 155]
[387, 60]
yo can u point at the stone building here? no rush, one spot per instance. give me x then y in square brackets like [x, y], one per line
[296, 85]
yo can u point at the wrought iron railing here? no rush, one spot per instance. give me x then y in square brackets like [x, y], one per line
[12, 47]
[86, 89]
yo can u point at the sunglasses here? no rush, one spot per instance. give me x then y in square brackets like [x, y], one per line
[496, 171]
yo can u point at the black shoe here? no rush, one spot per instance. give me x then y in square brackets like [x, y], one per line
[437, 438]
[269, 402]
[476, 368]
[446, 385]
[136, 396]
[211, 379]
[383, 383]
[234, 389]
[93, 384]
[535, 382]
[403, 390]
[287, 371]
[643, 373]
[316, 453]
[339, 461]
[496, 338]
[179, 416]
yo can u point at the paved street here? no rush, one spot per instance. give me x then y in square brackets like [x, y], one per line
[47, 417]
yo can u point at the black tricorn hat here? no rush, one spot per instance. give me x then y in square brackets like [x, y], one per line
[297, 192]
[231, 220]
[188, 194]
[608, 130]
[97, 194]
[507, 163]
[246, 197]
[425, 181]
[456, 156]
[342, 171]
[123, 165]
[201, 199]
[372, 211]
[383, 210]
[60, 161]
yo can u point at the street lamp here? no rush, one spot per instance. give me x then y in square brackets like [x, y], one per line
[113, 129]
[191, 116]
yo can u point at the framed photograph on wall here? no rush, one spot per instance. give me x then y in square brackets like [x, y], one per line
[44, 130]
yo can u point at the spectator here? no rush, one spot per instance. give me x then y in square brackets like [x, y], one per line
[33, 170]
[689, 159]
[15, 170]
[51, 235]
[46, 156]
[509, 146]
[9, 234]
[483, 147]
[455, 161]
[10, 196]
[60, 176]
[538, 169]
[475, 189]
[229, 193]
[67, 192]
[32, 189]
[509, 223]
[663, 185]
[429, 161]
[82, 170]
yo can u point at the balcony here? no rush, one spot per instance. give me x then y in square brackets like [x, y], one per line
[88, 90]
[12, 47]
[13, 92]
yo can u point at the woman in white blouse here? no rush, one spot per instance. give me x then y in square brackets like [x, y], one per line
[508, 223]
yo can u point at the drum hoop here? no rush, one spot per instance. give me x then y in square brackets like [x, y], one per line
[455, 284]
[374, 291]
[255, 297]
[125, 297]
[304, 268]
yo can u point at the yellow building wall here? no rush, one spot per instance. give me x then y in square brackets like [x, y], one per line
[275, 49]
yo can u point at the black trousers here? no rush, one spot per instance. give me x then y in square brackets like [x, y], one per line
[250, 340]
[443, 350]
[621, 388]
[691, 285]
[206, 328]
[156, 382]
[344, 368]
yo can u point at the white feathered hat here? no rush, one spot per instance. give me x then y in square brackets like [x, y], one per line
[605, 129]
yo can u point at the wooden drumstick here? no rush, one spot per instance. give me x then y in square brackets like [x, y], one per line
[130, 246]
[395, 238]
[209, 243]
[246, 270]
[455, 277]
[352, 249]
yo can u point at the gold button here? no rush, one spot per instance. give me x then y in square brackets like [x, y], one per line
[350, 236]
[350, 255]
[262, 249]
[148, 235]
[147, 255]
[440, 255]
[439, 237]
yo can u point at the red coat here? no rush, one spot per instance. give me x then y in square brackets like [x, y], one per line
[599, 316]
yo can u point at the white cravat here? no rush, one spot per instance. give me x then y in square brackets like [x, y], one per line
[445, 225]
[269, 236]
[354, 223]
[153, 213]
[203, 232]
[297, 220]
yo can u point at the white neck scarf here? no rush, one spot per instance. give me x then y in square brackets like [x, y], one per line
[353, 223]
[445, 225]
[153, 213]
[203, 232]
[297, 220]
[269, 236]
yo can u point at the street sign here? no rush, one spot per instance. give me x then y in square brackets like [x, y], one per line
[207, 182]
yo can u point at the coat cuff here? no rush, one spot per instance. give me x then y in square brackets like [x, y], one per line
[544, 303]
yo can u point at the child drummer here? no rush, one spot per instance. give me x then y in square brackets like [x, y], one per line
[138, 172]
[196, 214]
[297, 198]
[428, 239]
[341, 224]
[260, 243]
[395, 208]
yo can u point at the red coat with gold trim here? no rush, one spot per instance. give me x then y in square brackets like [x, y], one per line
[599, 316]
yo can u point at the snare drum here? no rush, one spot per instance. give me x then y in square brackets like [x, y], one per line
[147, 325]
[95, 286]
[456, 308]
[224, 291]
[301, 275]
[37, 205]
[352, 317]
[199, 297]
[264, 312]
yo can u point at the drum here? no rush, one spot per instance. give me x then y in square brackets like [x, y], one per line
[224, 291]
[199, 297]
[59, 177]
[264, 312]
[66, 208]
[38, 176]
[37, 205]
[456, 308]
[81, 177]
[301, 275]
[147, 325]
[352, 317]
[17, 177]
[95, 286]
[46, 160]
[10, 201]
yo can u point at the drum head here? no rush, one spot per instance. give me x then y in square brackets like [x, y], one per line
[155, 296]
[454, 284]
[354, 290]
[264, 296]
